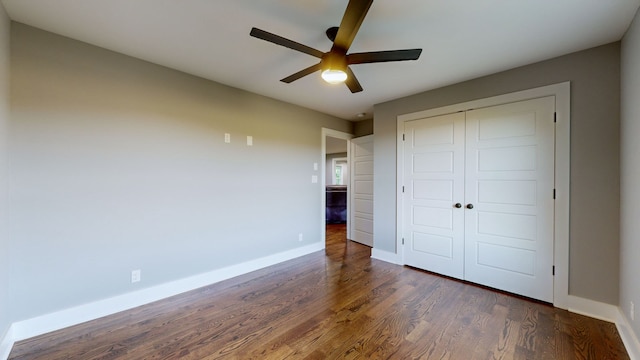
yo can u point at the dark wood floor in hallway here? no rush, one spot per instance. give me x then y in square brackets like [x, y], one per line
[337, 304]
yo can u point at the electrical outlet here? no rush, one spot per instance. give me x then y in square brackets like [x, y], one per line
[249, 140]
[227, 138]
[632, 310]
[300, 237]
[135, 276]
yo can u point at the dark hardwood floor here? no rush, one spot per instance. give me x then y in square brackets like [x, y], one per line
[340, 304]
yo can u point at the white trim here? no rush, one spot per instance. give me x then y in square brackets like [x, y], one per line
[629, 338]
[386, 256]
[610, 313]
[323, 175]
[562, 93]
[592, 308]
[562, 165]
[399, 190]
[6, 344]
[61, 319]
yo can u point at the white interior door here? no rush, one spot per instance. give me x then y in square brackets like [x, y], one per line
[434, 186]
[509, 182]
[498, 164]
[361, 185]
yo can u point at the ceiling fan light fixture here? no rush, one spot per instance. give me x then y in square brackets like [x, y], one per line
[335, 63]
[334, 76]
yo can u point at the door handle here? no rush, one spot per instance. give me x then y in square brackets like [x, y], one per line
[457, 205]
[469, 206]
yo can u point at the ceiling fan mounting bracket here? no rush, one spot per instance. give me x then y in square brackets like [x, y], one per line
[332, 32]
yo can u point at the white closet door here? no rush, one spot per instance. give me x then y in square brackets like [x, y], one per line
[509, 185]
[434, 183]
[361, 190]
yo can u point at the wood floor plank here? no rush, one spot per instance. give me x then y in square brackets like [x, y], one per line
[335, 304]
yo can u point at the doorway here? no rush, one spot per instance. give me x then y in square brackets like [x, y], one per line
[335, 184]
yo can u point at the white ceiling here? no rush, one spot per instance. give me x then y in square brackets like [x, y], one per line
[461, 39]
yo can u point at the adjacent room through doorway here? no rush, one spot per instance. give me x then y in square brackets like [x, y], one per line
[336, 187]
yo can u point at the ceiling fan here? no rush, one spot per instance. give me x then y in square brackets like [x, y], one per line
[335, 63]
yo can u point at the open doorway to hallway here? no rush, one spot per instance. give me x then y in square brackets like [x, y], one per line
[336, 188]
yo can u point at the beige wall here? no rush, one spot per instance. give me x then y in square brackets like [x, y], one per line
[595, 97]
[4, 122]
[119, 164]
[630, 177]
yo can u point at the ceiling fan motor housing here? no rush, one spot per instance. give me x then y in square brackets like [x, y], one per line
[334, 61]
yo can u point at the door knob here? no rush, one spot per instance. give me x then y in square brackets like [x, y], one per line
[458, 205]
[469, 206]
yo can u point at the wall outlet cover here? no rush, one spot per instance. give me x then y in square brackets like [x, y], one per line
[135, 276]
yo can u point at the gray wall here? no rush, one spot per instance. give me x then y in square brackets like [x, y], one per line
[363, 128]
[595, 107]
[630, 177]
[4, 122]
[118, 164]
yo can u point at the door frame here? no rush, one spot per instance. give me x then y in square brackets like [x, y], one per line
[562, 164]
[323, 177]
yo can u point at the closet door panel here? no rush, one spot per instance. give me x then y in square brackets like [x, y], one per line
[433, 227]
[509, 177]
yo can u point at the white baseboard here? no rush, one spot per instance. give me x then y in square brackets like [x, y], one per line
[64, 318]
[40, 325]
[386, 256]
[594, 309]
[6, 343]
[628, 336]
[610, 313]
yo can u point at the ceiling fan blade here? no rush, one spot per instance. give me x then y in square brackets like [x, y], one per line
[279, 40]
[351, 21]
[352, 82]
[383, 56]
[302, 73]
